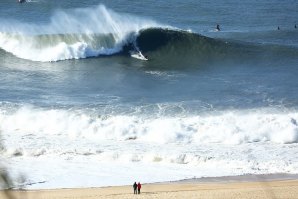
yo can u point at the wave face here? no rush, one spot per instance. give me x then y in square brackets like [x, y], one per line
[73, 34]
[180, 48]
[183, 48]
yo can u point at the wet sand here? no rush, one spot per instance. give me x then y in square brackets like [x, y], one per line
[250, 187]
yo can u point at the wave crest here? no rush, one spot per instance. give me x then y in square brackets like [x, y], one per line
[90, 32]
[73, 34]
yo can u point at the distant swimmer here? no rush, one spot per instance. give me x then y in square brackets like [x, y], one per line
[278, 28]
[21, 1]
[295, 26]
[217, 27]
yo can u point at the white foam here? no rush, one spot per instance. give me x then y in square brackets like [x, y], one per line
[118, 168]
[227, 127]
[64, 34]
[79, 145]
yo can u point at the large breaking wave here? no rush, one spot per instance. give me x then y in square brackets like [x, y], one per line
[91, 32]
[73, 34]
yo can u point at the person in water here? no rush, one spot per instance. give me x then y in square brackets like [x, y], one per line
[135, 186]
[278, 28]
[295, 26]
[217, 27]
[21, 1]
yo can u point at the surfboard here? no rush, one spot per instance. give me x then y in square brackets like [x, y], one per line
[138, 55]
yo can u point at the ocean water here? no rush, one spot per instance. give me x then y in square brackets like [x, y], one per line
[76, 110]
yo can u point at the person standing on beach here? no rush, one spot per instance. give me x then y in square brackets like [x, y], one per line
[139, 188]
[135, 186]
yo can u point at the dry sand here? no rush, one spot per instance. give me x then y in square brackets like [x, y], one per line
[229, 189]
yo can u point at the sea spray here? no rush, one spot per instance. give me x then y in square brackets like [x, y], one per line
[72, 34]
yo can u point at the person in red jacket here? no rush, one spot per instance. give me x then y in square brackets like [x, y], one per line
[139, 188]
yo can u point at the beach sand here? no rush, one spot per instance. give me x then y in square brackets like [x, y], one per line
[260, 187]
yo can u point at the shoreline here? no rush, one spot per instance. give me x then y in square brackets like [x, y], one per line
[240, 178]
[246, 186]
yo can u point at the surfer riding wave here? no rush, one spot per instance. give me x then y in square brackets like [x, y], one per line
[136, 53]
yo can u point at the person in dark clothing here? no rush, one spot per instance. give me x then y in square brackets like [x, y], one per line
[217, 27]
[295, 26]
[139, 188]
[135, 186]
[278, 28]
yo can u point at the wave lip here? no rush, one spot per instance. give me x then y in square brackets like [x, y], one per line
[74, 34]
